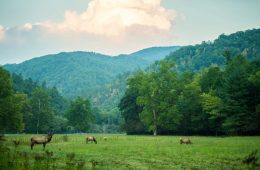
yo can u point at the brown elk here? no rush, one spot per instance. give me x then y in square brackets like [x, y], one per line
[16, 143]
[91, 139]
[185, 141]
[41, 140]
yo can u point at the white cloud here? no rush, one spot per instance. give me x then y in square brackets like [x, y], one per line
[106, 26]
[27, 26]
[115, 17]
[2, 32]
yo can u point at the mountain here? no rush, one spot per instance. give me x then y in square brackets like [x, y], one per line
[154, 53]
[200, 56]
[193, 58]
[82, 73]
[103, 77]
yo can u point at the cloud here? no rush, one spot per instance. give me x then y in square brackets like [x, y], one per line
[2, 32]
[106, 26]
[115, 17]
[27, 26]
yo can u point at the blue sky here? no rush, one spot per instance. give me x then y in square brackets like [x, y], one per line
[31, 28]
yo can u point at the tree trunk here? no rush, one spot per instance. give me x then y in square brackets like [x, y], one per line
[38, 118]
[155, 123]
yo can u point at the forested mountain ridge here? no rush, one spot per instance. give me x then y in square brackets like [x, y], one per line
[184, 102]
[80, 73]
[109, 95]
[154, 53]
[200, 56]
[193, 58]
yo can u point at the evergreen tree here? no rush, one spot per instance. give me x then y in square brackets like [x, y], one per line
[10, 105]
[236, 95]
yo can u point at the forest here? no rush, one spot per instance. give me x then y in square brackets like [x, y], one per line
[214, 101]
[161, 100]
[207, 89]
[31, 107]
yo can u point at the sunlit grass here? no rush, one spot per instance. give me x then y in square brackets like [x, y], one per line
[146, 152]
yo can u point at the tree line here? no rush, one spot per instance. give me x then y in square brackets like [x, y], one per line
[30, 107]
[161, 100]
[215, 101]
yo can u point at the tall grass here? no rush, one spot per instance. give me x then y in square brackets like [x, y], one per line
[130, 152]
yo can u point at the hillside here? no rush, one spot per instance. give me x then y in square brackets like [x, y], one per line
[199, 56]
[154, 53]
[192, 58]
[95, 75]
[81, 73]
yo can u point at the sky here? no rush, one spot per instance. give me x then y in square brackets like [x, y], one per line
[33, 28]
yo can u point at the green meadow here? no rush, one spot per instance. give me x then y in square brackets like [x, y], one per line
[129, 152]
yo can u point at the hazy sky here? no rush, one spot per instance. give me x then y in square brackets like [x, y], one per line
[31, 28]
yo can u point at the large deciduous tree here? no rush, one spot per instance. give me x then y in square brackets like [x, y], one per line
[158, 98]
[42, 115]
[80, 114]
[130, 110]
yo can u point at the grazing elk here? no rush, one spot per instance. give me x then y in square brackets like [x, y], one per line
[41, 140]
[91, 139]
[16, 143]
[185, 141]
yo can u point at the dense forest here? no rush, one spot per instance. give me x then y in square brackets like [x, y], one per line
[193, 58]
[207, 89]
[84, 73]
[31, 107]
[211, 102]
[197, 57]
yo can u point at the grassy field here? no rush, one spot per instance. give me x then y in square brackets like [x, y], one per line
[129, 152]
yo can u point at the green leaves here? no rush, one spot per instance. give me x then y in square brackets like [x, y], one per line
[155, 94]
[211, 104]
[11, 104]
[218, 52]
[80, 114]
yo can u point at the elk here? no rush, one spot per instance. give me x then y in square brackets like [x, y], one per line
[41, 140]
[185, 141]
[16, 143]
[91, 139]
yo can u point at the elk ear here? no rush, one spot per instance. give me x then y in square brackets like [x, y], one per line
[50, 133]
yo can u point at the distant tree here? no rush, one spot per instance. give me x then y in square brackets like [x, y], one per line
[58, 102]
[42, 112]
[10, 105]
[228, 56]
[193, 121]
[129, 109]
[236, 96]
[22, 85]
[213, 106]
[80, 114]
[254, 100]
[6, 83]
[157, 96]
[212, 80]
